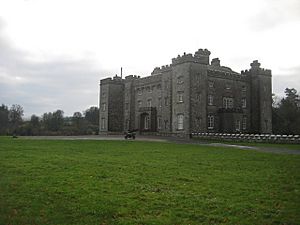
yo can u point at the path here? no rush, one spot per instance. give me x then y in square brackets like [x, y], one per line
[170, 139]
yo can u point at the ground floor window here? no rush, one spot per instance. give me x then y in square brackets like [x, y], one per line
[210, 122]
[244, 123]
[159, 123]
[103, 123]
[237, 125]
[180, 121]
[147, 122]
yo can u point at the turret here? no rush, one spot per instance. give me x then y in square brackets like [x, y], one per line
[261, 98]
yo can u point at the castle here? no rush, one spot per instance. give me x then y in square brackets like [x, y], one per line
[191, 94]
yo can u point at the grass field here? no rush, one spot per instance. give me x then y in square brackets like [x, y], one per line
[118, 182]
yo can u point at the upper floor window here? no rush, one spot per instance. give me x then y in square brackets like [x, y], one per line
[126, 106]
[103, 107]
[158, 87]
[227, 103]
[180, 96]
[244, 103]
[210, 84]
[149, 89]
[149, 102]
[180, 121]
[159, 102]
[210, 100]
[210, 122]
[139, 103]
[139, 91]
[244, 88]
[166, 101]
[180, 80]
[103, 94]
[227, 86]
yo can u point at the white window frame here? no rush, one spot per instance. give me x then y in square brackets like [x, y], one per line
[147, 122]
[237, 125]
[244, 103]
[159, 122]
[103, 107]
[149, 102]
[210, 99]
[228, 102]
[210, 122]
[180, 120]
[180, 96]
[103, 123]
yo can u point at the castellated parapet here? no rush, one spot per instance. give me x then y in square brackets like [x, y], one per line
[189, 95]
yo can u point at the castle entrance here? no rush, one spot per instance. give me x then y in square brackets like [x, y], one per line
[147, 119]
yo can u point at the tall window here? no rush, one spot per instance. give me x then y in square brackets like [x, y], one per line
[147, 122]
[244, 123]
[211, 122]
[180, 96]
[180, 121]
[166, 124]
[103, 107]
[244, 103]
[126, 105]
[159, 121]
[227, 103]
[149, 102]
[210, 100]
[103, 122]
[166, 101]
[237, 125]
[159, 102]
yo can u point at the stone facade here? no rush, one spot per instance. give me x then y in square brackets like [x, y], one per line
[189, 95]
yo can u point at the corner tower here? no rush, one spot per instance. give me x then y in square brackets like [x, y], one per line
[261, 98]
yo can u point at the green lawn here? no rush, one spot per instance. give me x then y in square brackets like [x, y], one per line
[119, 182]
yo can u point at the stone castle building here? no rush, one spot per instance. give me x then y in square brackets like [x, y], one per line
[190, 95]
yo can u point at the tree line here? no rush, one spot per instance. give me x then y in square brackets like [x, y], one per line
[285, 119]
[51, 123]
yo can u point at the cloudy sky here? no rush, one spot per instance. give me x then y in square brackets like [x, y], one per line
[54, 52]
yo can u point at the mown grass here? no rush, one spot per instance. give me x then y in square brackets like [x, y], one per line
[118, 182]
[258, 144]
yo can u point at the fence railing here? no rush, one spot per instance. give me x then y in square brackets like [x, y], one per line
[269, 138]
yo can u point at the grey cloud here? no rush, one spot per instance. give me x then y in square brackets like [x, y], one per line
[67, 84]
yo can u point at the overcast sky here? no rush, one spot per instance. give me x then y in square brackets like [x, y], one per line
[54, 52]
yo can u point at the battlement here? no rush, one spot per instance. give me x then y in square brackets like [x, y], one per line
[201, 56]
[231, 75]
[256, 69]
[158, 70]
[131, 77]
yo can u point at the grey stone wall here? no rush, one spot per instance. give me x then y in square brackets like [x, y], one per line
[183, 88]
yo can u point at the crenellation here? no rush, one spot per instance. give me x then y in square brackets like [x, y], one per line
[190, 94]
